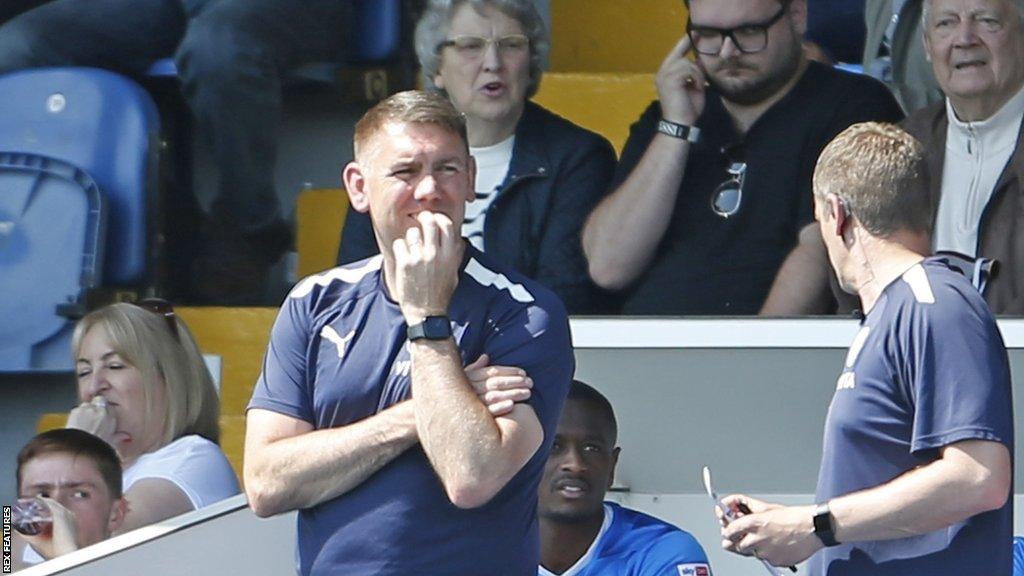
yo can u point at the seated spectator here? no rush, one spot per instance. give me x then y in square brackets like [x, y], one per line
[715, 180]
[894, 53]
[231, 55]
[538, 175]
[77, 477]
[837, 26]
[975, 157]
[583, 535]
[146, 391]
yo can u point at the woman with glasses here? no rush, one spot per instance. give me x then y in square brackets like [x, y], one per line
[538, 175]
[145, 389]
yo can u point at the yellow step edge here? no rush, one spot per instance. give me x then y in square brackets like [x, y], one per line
[614, 35]
[606, 103]
[319, 215]
[239, 336]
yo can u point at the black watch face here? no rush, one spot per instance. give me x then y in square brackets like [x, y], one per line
[437, 327]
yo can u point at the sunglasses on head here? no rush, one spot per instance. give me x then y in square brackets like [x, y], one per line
[160, 307]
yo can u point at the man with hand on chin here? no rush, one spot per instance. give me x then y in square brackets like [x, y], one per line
[376, 415]
[917, 460]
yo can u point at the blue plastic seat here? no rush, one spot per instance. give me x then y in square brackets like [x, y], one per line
[51, 250]
[103, 124]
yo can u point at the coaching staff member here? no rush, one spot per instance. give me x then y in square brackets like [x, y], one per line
[364, 418]
[917, 462]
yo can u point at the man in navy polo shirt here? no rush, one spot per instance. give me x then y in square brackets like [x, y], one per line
[917, 461]
[364, 418]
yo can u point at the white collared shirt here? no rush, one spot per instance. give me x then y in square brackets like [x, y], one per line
[976, 154]
[580, 564]
[492, 164]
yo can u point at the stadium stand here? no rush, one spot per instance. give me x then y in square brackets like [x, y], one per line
[80, 148]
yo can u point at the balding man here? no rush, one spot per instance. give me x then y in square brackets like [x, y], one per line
[973, 151]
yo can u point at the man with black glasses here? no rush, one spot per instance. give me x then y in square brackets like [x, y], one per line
[715, 180]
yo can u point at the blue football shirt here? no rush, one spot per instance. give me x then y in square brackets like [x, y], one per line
[632, 543]
[928, 368]
[338, 354]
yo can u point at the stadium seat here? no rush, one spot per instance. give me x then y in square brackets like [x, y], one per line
[52, 221]
[106, 126]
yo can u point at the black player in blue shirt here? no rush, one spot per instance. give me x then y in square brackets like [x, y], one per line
[917, 461]
[581, 534]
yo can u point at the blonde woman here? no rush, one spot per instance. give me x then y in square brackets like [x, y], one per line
[145, 390]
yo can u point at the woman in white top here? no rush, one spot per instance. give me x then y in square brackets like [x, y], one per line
[145, 389]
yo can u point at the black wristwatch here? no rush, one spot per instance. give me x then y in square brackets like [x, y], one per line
[432, 328]
[681, 131]
[824, 529]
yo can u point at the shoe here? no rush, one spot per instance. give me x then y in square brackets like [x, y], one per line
[233, 267]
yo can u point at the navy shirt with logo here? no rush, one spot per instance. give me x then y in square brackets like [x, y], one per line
[927, 369]
[338, 353]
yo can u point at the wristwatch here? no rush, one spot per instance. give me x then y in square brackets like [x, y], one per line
[432, 328]
[682, 131]
[823, 526]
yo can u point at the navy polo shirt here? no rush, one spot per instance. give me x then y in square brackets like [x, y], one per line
[927, 369]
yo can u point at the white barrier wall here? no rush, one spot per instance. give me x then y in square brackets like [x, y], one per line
[745, 397]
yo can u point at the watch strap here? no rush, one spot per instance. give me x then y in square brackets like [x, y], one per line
[431, 328]
[824, 528]
[681, 131]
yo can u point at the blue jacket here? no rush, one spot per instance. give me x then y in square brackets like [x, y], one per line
[558, 173]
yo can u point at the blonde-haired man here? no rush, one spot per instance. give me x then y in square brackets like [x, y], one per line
[365, 418]
[917, 460]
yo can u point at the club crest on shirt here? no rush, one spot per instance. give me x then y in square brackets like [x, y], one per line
[693, 570]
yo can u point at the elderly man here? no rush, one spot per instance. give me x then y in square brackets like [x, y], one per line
[714, 182]
[974, 155]
[917, 459]
[77, 478]
[583, 535]
[894, 53]
[363, 417]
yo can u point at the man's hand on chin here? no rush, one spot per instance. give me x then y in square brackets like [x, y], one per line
[427, 264]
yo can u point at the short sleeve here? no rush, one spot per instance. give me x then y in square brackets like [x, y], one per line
[197, 466]
[283, 385]
[957, 372]
[536, 339]
[675, 553]
[640, 135]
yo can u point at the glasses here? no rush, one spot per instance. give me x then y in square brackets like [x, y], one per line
[726, 199]
[160, 307]
[473, 47]
[748, 38]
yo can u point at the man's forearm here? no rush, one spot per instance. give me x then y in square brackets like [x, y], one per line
[802, 283]
[923, 500]
[306, 469]
[467, 447]
[623, 232]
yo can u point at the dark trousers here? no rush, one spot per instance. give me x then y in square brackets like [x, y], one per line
[230, 55]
